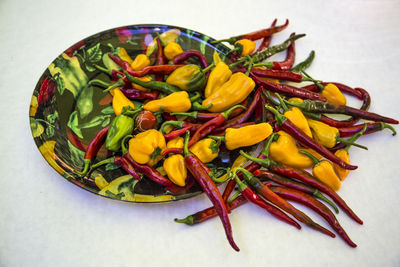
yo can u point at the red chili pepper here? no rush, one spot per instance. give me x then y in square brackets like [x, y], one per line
[290, 183]
[372, 127]
[211, 212]
[123, 64]
[206, 128]
[190, 53]
[255, 35]
[156, 70]
[287, 64]
[266, 193]
[283, 75]
[318, 207]
[176, 133]
[92, 149]
[342, 87]
[138, 94]
[286, 89]
[307, 141]
[267, 39]
[120, 161]
[251, 196]
[160, 55]
[149, 172]
[200, 172]
[245, 116]
[47, 89]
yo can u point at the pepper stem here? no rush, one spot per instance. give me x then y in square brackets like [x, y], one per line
[186, 151]
[280, 119]
[123, 146]
[226, 113]
[188, 220]
[268, 65]
[250, 63]
[87, 163]
[272, 138]
[351, 141]
[105, 70]
[192, 115]
[263, 162]
[208, 68]
[176, 124]
[118, 83]
[319, 195]
[217, 138]
[99, 83]
[311, 156]
[198, 106]
[103, 162]
[241, 186]
[195, 97]
[309, 78]
[390, 127]
[282, 102]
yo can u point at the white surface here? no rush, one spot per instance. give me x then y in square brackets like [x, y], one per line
[47, 221]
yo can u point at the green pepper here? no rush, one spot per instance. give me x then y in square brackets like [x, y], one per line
[120, 126]
[188, 77]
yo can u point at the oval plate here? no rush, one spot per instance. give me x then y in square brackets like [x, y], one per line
[66, 112]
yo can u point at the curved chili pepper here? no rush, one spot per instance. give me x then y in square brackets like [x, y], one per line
[266, 193]
[181, 124]
[93, 148]
[176, 133]
[290, 183]
[307, 141]
[304, 64]
[251, 196]
[160, 55]
[245, 116]
[190, 53]
[154, 85]
[372, 127]
[278, 74]
[315, 205]
[255, 35]
[138, 94]
[201, 175]
[206, 128]
[156, 70]
[120, 161]
[211, 212]
[289, 60]
[149, 172]
[123, 64]
[342, 88]
[267, 39]
[286, 89]
[47, 89]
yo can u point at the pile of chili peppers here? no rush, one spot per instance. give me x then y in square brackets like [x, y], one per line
[192, 109]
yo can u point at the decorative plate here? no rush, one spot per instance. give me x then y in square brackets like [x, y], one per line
[66, 112]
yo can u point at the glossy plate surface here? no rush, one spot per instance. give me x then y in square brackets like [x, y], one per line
[66, 112]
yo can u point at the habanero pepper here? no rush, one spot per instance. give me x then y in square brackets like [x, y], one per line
[175, 168]
[172, 49]
[199, 172]
[174, 102]
[188, 77]
[218, 76]
[146, 147]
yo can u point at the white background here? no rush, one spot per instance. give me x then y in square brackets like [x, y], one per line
[47, 221]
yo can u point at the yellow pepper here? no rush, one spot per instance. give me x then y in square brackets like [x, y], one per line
[177, 142]
[206, 149]
[144, 79]
[248, 46]
[188, 77]
[341, 172]
[216, 58]
[176, 170]
[172, 49]
[231, 93]
[146, 147]
[323, 133]
[333, 94]
[124, 55]
[175, 102]
[140, 62]
[247, 135]
[285, 151]
[120, 101]
[323, 171]
[218, 76]
[297, 118]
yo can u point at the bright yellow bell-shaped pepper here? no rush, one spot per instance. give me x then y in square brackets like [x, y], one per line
[175, 102]
[172, 49]
[206, 150]
[177, 142]
[341, 172]
[333, 94]
[248, 46]
[176, 170]
[124, 55]
[247, 135]
[285, 151]
[297, 118]
[140, 62]
[325, 173]
[146, 147]
[231, 93]
[218, 76]
[323, 133]
[120, 101]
